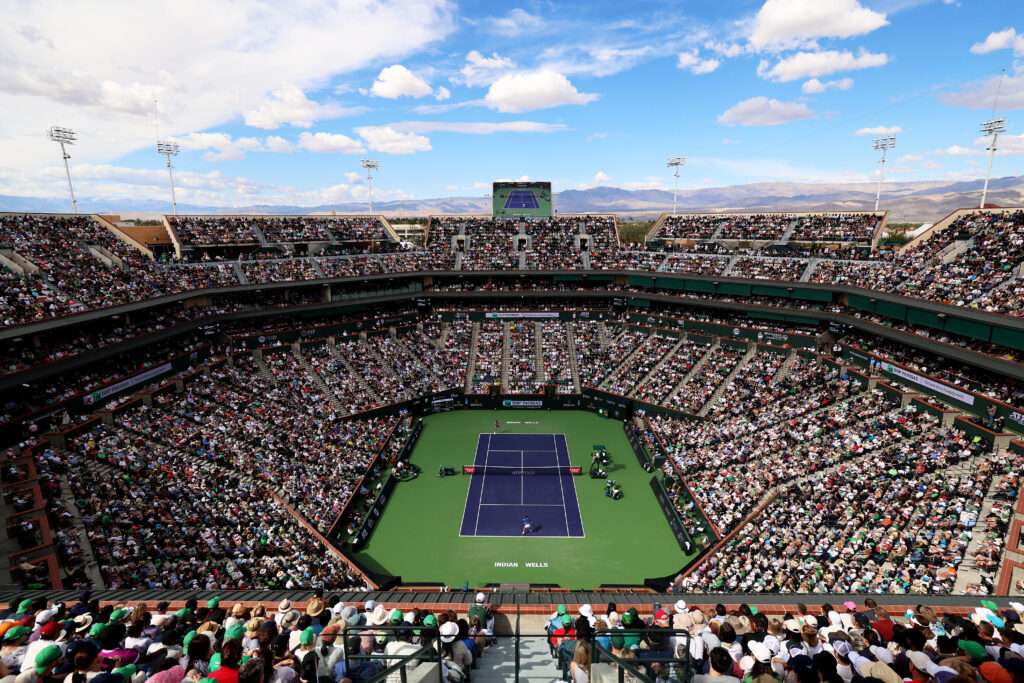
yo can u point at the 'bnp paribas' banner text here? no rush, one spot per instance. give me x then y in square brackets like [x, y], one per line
[928, 383]
[111, 389]
[513, 315]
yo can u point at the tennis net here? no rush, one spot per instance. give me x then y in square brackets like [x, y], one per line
[523, 471]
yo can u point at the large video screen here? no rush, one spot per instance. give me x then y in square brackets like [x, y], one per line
[522, 199]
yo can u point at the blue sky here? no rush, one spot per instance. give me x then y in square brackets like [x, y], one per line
[277, 103]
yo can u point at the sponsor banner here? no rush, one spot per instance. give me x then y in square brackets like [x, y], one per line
[469, 469]
[522, 314]
[369, 523]
[1015, 417]
[110, 389]
[929, 383]
[522, 404]
[674, 522]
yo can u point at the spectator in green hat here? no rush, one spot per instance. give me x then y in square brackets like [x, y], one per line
[127, 672]
[46, 659]
[235, 632]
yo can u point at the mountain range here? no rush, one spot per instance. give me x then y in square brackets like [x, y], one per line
[914, 201]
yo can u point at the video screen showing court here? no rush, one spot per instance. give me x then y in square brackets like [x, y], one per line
[522, 199]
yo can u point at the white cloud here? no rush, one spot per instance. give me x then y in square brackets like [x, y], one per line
[530, 90]
[980, 94]
[643, 185]
[221, 146]
[442, 94]
[1008, 144]
[931, 165]
[595, 60]
[221, 68]
[330, 143]
[761, 111]
[956, 151]
[781, 24]
[600, 178]
[291, 106]
[480, 70]
[477, 127]
[907, 158]
[822, 63]
[278, 144]
[815, 86]
[727, 141]
[388, 140]
[353, 178]
[725, 49]
[880, 130]
[516, 22]
[396, 81]
[597, 136]
[694, 64]
[1000, 40]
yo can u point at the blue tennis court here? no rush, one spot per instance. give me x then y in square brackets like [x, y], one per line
[520, 475]
[521, 199]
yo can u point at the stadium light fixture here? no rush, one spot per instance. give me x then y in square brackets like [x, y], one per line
[675, 162]
[65, 136]
[169, 149]
[991, 127]
[883, 143]
[370, 165]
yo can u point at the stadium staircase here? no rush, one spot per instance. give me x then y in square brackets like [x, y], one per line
[627, 361]
[789, 231]
[259, 235]
[304, 362]
[1009, 282]
[474, 337]
[538, 353]
[730, 264]
[664, 359]
[812, 265]
[92, 567]
[263, 369]
[718, 232]
[522, 259]
[240, 273]
[967, 573]
[693, 371]
[786, 367]
[602, 336]
[506, 333]
[724, 384]
[574, 362]
[351, 371]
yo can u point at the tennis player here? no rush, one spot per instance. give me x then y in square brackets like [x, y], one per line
[497, 426]
[527, 526]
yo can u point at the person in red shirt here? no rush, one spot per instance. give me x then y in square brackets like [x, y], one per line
[884, 624]
[230, 656]
[567, 632]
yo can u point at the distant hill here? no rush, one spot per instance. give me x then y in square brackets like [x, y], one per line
[912, 201]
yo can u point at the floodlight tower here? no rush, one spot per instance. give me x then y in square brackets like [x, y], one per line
[991, 127]
[675, 162]
[883, 142]
[370, 165]
[64, 136]
[169, 149]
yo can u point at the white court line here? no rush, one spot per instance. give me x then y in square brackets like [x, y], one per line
[483, 481]
[572, 482]
[561, 487]
[522, 480]
[513, 505]
[470, 488]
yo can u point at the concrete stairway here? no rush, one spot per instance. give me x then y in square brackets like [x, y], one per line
[732, 262]
[506, 333]
[538, 353]
[664, 359]
[474, 337]
[789, 230]
[264, 370]
[809, 270]
[324, 387]
[627, 362]
[786, 366]
[240, 272]
[92, 567]
[603, 338]
[574, 365]
[693, 371]
[535, 662]
[351, 371]
[724, 384]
